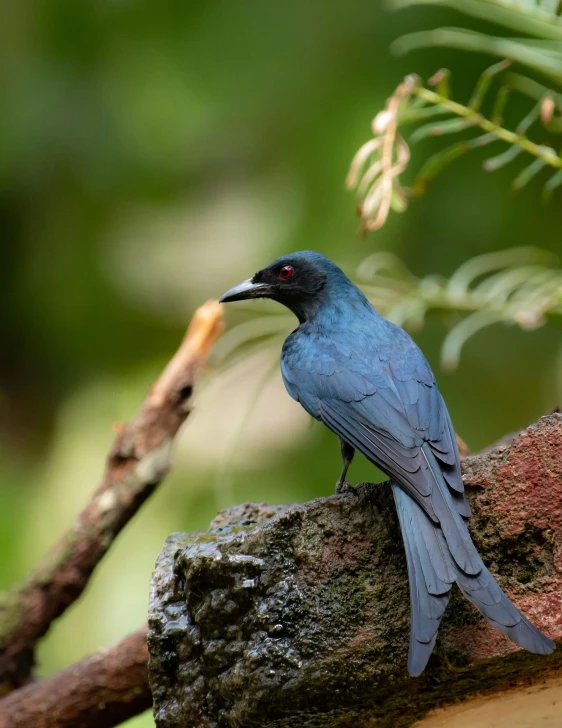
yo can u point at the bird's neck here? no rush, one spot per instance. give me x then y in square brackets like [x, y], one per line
[306, 310]
[333, 305]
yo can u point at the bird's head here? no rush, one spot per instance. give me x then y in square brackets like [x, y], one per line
[297, 281]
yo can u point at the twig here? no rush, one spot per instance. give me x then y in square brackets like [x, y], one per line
[376, 168]
[547, 155]
[137, 463]
[100, 691]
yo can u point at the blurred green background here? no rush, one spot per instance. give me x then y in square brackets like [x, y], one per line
[151, 156]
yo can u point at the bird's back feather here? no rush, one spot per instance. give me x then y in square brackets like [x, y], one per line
[368, 382]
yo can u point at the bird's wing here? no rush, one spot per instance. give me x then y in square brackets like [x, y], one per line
[385, 403]
[388, 390]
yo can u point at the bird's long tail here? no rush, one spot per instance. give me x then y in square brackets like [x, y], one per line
[432, 571]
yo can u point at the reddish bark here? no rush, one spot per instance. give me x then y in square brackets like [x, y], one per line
[518, 489]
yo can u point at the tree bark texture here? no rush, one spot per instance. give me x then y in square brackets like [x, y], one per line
[299, 616]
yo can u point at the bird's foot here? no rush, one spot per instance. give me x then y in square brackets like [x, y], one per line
[342, 486]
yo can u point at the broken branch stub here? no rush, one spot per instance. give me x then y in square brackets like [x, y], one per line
[285, 616]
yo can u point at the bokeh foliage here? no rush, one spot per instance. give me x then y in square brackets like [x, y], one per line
[154, 154]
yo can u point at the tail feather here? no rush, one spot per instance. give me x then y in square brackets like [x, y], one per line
[431, 544]
[454, 528]
[527, 636]
[431, 573]
[429, 594]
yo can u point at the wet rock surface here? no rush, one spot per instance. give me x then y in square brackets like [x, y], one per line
[299, 616]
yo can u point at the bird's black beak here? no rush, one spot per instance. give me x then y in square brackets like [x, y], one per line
[247, 289]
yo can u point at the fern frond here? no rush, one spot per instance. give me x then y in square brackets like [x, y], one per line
[377, 166]
[521, 286]
[538, 20]
[532, 18]
[541, 56]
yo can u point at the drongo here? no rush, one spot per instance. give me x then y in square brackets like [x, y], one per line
[369, 383]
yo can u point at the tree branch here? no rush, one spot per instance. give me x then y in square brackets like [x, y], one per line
[137, 463]
[101, 691]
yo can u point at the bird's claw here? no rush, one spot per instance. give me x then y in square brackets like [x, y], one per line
[342, 486]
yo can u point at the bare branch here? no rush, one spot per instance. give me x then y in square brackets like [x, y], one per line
[137, 463]
[101, 691]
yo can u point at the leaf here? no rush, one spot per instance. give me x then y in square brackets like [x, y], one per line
[439, 128]
[520, 285]
[532, 88]
[500, 104]
[530, 19]
[527, 174]
[455, 339]
[490, 165]
[553, 183]
[460, 281]
[539, 59]
[439, 161]
[531, 117]
[484, 83]
[410, 115]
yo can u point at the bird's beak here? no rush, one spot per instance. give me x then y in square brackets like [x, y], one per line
[247, 289]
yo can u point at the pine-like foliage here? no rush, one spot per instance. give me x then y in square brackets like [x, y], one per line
[539, 48]
[376, 169]
[521, 286]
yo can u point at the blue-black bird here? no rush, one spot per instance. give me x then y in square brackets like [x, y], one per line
[369, 383]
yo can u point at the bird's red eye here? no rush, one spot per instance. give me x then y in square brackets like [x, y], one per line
[286, 272]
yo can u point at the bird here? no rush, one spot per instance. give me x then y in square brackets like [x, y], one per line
[368, 382]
